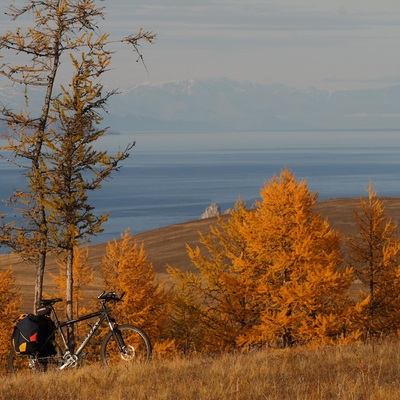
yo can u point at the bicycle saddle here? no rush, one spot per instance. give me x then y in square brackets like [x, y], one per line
[48, 302]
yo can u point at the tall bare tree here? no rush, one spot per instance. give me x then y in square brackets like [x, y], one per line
[73, 166]
[60, 28]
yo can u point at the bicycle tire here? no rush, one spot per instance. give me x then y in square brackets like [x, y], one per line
[27, 363]
[138, 346]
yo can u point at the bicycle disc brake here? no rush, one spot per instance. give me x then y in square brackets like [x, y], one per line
[128, 353]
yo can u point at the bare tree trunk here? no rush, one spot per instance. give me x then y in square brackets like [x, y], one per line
[40, 267]
[69, 297]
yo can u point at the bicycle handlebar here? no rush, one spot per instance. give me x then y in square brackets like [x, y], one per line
[111, 296]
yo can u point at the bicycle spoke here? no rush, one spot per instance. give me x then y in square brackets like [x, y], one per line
[137, 347]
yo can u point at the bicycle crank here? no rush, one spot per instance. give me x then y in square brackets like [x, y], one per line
[71, 361]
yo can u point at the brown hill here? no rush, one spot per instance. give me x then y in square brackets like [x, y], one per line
[167, 245]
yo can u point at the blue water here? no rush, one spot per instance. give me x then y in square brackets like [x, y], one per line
[172, 178]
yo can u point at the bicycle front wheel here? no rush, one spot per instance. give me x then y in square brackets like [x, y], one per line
[133, 346]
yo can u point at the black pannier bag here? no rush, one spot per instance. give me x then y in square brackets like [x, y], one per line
[25, 337]
[46, 346]
[32, 334]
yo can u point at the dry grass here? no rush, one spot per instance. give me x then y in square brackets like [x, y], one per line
[353, 372]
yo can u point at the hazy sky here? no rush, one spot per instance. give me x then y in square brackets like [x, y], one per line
[323, 43]
[329, 44]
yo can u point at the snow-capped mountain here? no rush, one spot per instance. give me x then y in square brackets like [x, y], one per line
[227, 105]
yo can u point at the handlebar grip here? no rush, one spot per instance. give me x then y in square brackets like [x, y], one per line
[101, 295]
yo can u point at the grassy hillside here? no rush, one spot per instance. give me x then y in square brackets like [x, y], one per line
[168, 245]
[355, 372]
[365, 371]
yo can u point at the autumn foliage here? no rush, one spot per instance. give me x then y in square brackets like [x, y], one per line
[125, 268]
[302, 283]
[375, 254]
[10, 303]
[271, 275]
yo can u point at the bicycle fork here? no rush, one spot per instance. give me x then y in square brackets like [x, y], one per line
[117, 335]
[119, 339]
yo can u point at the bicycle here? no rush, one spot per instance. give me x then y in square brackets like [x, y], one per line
[122, 343]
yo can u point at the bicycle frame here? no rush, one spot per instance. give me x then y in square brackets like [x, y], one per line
[102, 315]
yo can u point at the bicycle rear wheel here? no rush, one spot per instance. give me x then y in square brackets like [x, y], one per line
[136, 346]
[32, 363]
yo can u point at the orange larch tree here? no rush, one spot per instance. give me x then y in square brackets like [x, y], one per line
[375, 255]
[10, 303]
[146, 303]
[271, 275]
[303, 286]
[222, 296]
[184, 326]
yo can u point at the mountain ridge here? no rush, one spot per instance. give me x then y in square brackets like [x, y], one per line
[228, 105]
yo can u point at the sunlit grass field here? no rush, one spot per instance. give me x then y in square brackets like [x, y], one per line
[366, 371]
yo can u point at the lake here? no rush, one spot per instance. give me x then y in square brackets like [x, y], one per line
[172, 178]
